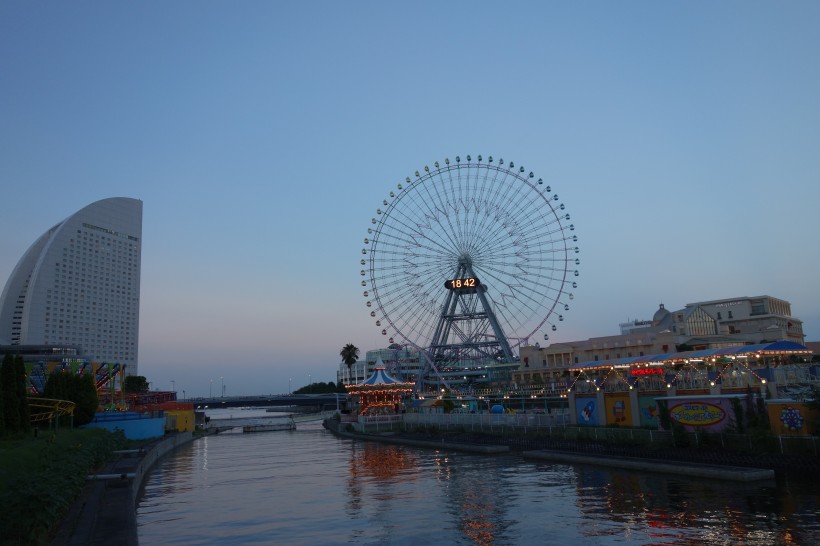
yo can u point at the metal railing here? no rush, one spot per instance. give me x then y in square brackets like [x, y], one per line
[480, 422]
[557, 426]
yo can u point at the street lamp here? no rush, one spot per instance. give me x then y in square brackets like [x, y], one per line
[211, 389]
[223, 385]
[290, 389]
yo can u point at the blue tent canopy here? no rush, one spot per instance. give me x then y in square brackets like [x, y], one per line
[381, 377]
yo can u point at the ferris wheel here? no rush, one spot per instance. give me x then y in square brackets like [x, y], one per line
[468, 260]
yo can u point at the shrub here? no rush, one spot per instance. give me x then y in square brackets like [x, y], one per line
[34, 502]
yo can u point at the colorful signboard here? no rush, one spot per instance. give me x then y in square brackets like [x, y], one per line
[792, 418]
[587, 408]
[697, 414]
[705, 414]
[649, 410]
[618, 410]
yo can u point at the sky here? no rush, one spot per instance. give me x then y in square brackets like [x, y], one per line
[684, 138]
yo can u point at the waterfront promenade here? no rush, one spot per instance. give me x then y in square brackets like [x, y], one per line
[105, 511]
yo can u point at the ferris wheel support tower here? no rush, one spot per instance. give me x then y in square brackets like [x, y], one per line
[460, 307]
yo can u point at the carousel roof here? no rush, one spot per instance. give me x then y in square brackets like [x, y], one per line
[380, 376]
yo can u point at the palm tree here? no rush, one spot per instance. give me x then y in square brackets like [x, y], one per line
[349, 354]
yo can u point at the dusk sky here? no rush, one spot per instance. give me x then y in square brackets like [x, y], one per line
[684, 138]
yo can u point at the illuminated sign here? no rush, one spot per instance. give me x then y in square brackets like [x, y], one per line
[647, 371]
[466, 283]
[697, 414]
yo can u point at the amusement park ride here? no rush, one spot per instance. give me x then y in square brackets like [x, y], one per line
[105, 374]
[466, 261]
[108, 378]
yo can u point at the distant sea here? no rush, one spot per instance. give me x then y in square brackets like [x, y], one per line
[307, 487]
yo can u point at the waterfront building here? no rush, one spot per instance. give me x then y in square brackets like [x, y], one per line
[701, 325]
[405, 363]
[78, 286]
[401, 361]
[704, 390]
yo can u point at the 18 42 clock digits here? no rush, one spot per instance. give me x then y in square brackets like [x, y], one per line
[466, 283]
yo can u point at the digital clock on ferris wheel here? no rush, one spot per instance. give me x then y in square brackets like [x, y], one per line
[465, 283]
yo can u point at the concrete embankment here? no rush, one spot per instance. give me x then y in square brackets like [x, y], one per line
[721, 472]
[105, 512]
[443, 444]
[717, 472]
[388, 438]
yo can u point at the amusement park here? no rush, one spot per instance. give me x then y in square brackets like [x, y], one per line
[469, 260]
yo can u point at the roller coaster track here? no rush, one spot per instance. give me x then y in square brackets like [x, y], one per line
[45, 409]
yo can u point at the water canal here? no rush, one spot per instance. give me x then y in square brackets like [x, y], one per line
[307, 487]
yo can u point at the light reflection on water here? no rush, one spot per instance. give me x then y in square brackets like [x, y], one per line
[308, 487]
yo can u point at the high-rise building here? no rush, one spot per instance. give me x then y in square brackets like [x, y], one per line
[79, 285]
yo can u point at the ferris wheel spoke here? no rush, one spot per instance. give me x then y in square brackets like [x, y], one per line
[491, 202]
[513, 201]
[452, 230]
[436, 204]
[405, 233]
[458, 202]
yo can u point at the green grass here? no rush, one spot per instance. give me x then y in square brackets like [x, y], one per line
[41, 476]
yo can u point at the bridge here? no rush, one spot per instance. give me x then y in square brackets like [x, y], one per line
[319, 402]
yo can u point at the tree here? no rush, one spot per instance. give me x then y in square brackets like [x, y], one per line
[2, 411]
[813, 403]
[57, 385]
[135, 383]
[22, 393]
[349, 354]
[85, 396]
[80, 389]
[11, 399]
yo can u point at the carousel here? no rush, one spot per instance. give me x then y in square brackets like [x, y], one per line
[379, 394]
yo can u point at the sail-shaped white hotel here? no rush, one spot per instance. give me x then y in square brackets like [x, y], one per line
[79, 285]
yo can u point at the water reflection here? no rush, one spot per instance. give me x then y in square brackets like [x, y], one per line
[308, 487]
[477, 506]
[675, 509]
[480, 512]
